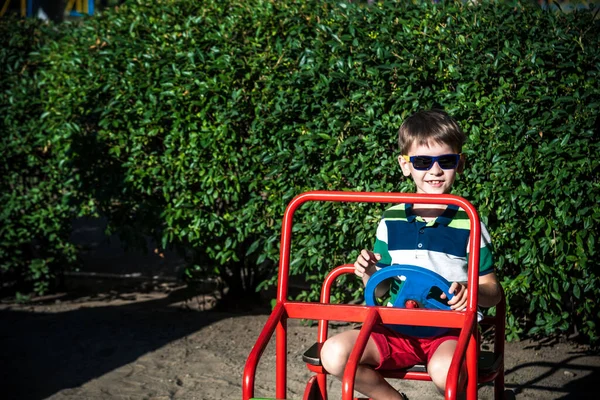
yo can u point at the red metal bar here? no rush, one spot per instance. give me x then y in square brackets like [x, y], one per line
[330, 279]
[258, 349]
[323, 323]
[389, 315]
[322, 380]
[460, 353]
[378, 197]
[403, 374]
[357, 352]
[281, 360]
[326, 296]
[472, 370]
[311, 387]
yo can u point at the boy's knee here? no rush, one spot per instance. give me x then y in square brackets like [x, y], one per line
[438, 371]
[334, 356]
[438, 377]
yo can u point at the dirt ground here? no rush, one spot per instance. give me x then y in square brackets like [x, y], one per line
[126, 339]
[159, 343]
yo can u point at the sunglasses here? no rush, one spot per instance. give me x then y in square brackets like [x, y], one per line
[424, 163]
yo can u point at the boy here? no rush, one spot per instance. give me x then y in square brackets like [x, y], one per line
[426, 235]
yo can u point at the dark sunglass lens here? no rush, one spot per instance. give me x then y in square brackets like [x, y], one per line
[422, 162]
[448, 162]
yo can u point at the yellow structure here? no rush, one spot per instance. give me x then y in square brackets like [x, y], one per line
[7, 3]
[80, 7]
[74, 7]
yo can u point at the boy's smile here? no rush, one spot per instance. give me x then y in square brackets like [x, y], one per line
[435, 180]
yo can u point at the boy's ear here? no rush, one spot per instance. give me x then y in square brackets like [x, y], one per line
[461, 164]
[404, 165]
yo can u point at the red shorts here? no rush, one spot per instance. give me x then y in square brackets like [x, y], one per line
[398, 351]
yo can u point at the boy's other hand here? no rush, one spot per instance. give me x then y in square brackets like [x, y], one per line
[364, 266]
[459, 301]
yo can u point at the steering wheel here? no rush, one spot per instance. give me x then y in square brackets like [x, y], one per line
[421, 288]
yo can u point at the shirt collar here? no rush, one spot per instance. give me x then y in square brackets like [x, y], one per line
[410, 215]
[443, 219]
[447, 215]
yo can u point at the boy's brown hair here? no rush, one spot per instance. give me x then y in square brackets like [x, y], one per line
[424, 127]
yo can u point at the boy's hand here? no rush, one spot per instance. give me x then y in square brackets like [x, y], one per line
[459, 301]
[364, 266]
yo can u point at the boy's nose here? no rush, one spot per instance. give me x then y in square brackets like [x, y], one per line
[435, 169]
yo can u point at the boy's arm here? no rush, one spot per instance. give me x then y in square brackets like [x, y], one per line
[489, 290]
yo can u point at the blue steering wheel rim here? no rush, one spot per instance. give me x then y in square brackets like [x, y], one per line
[420, 286]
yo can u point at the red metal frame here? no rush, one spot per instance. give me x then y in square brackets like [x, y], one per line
[468, 345]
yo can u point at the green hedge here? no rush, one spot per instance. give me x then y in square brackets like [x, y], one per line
[197, 122]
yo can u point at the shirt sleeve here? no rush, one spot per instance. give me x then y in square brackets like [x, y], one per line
[381, 244]
[486, 253]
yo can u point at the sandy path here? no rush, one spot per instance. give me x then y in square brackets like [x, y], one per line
[127, 344]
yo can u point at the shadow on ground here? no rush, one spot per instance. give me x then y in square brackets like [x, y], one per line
[44, 353]
[572, 367]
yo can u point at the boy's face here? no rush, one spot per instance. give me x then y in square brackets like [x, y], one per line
[435, 180]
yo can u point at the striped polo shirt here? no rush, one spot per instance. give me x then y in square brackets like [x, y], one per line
[440, 245]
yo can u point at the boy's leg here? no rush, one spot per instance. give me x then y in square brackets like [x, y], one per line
[334, 357]
[439, 364]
